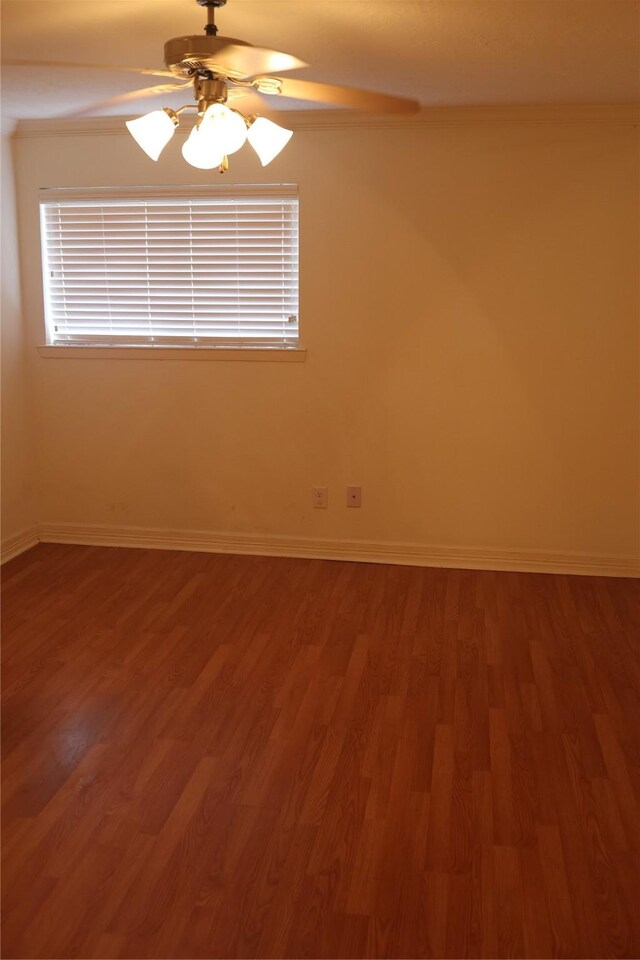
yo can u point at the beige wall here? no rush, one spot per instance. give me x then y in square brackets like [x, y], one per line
[18, 514]
[469, 301]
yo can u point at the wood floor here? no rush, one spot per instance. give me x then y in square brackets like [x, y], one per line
[221, 756]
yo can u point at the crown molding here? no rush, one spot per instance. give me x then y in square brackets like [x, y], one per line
[405, 554]
[302, 120]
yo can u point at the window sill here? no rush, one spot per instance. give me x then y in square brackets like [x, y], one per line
[288, 355]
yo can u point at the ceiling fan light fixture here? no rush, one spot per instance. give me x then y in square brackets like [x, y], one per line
[202, 150]
[226, 127]
[153, 131]
[268, 139]
[209, 65]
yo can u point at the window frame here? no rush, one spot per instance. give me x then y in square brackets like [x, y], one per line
[176, 347]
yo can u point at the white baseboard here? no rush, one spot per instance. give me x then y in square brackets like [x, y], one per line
[18, 543]
[411, 554]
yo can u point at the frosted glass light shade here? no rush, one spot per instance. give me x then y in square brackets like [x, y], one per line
[153, 131]
[225, 126]
[202, 150]
[268, 139]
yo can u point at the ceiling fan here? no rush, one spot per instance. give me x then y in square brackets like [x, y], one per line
[221, 70]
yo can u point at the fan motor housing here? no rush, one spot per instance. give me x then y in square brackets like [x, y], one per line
[185, 56]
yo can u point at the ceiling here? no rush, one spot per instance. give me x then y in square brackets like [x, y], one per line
[440, 52]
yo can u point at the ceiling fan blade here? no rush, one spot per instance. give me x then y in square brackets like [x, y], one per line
[131, 95]
[248, 101]
[148, 71]
[254, 60]
[335, 95]
[227, 57]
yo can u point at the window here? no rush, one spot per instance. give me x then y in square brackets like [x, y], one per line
[186, 266]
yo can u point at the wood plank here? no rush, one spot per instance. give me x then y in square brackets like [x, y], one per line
[243, 756]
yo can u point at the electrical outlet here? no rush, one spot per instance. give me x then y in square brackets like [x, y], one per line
[319, 498]
[354, 496]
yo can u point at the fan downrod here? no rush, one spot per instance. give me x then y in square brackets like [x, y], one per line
[211, 30]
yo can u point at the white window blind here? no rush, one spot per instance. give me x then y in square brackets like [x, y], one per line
[187, 266]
